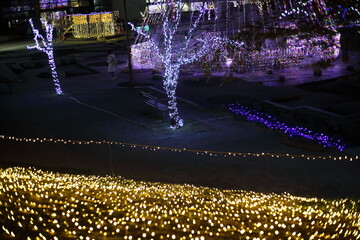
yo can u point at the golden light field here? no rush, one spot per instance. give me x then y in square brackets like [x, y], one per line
[43, 205]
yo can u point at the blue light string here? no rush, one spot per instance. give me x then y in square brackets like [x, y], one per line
[273, 123]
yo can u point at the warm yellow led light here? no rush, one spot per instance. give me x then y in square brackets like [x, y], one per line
[91, 207]
[202, 152]
[93, 25]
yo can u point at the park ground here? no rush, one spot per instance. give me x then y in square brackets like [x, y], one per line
[95, 108]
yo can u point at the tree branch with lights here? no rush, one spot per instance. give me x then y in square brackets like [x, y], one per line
[174, 54]
[45, 44]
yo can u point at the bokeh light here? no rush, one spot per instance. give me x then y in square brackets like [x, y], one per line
[35, 204]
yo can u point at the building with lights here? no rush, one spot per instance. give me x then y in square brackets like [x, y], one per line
[15, 14]
[263, 34]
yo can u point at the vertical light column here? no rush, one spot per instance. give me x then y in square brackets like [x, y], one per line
[46, 47]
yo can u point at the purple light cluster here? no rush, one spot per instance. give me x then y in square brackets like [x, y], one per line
[273, 123]
[50, 4]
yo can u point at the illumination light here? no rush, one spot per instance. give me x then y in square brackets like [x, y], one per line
[273, 123]
[212, 153]
[292, 52]
[93, 25]
[36, 204]
[173, 54]
[47, 47]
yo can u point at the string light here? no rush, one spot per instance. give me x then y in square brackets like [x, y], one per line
[273, 123]
[173, 55]
[51, 4]
[327, 47]
[47, 47]
[179, 150]
[36, 204]
[93, 25]
[288, 50]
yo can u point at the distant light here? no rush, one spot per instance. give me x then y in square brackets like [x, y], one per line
[229, 62]
[145, 28]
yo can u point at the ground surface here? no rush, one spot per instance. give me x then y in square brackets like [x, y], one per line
[94, 107]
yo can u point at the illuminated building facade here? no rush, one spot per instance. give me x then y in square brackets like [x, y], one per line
[14, 14]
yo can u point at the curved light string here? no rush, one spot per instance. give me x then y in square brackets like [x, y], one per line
[195, 151]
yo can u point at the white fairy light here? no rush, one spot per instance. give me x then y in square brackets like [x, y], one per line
[174, 54]
[284, 52]
[47, 47]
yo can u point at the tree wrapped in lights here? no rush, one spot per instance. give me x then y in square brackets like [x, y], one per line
[174, 53]
[275, 33]
[45, 44]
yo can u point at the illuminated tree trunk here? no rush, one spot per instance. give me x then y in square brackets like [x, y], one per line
[174, 53]
[170, 84]
[45, 45]
[54, 73]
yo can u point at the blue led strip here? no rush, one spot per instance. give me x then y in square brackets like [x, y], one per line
[273, 123]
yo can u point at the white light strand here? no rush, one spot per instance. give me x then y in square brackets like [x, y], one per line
[191, 30]
[324, 45]
[48, 49]
[174, 57]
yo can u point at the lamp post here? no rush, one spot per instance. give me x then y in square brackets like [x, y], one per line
[131, 83]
